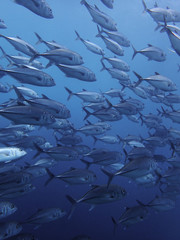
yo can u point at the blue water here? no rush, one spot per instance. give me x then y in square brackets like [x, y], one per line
[139, 29]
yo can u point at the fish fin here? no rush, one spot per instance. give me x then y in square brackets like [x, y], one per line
[44, 96]
[51, 177]
[83, 2]
[74, 203]
[19, 94]
[49, 64]
[87, 113]
[40, 40]
[139, 77]
[104, 67]
[70, 93]
[95, 139]
[100, 31]
[110, 176]
[78, 36]
[115, 225]
[145, 7]
[33, 57]
[87, 163]
[135, 52]
[157, 73]
[39, 150]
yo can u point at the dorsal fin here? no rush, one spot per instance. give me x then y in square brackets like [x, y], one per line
[44, 96]
[150, 45]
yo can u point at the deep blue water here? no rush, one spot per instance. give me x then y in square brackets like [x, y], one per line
[139, 29]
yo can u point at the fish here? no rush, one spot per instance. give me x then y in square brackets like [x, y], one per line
[121, 76]
[117, 63]
[99, 17]
[158, 13]
[58, 110]
[60, 56]
[21, 60]
[152, 53]
[104, 114]
[133, 169]
[30, 75]
[79, 72]
[51, 45]
[45, 216]
[39, 7]
[115, 93]
[160, 204]
[6, 209]
[27, 92]
[59, 153]
[112, 45]
[90, 46]
[158, 81]
[21, 45]
[74, 176]
[173, 37]
[131, 216]
[8, 154]
[9, 229]
[69, 139]
[87, 96]
[99, 195]
[17, 191]
[115, 36]
[107, 139]
[27, 115]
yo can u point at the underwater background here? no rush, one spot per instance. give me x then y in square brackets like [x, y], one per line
[138, 27]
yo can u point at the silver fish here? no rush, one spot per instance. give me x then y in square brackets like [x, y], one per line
[21, 45]
[39, 7]
[100, 18]
[152, 53]
[9, 229]
[90, 46]
[79, 72]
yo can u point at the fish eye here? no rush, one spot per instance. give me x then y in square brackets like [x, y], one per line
[123, 192]
[12, 206]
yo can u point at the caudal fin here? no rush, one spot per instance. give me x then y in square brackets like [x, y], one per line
[74, 203]
[135, 52]
[110, 176]
[40, 40]
[70, 93]
[51, 177]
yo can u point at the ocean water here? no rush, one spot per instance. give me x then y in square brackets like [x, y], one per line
[70, 15]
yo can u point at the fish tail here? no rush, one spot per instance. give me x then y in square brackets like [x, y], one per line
[51, 177]
[119, 138]
[87, 113]
[73, 202]
[110, 176]
[109, 104]
[40, 40]
[115, 225]
[4, 54]
[19, 94]
[69, 92]
[78, 36]
[158, 26]
[100, 31]
[39, 150]
[87, 163]
[104, 67]
[145, 7]
[139, 77]
[95, 139]
[135, 52]
[33, 57]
